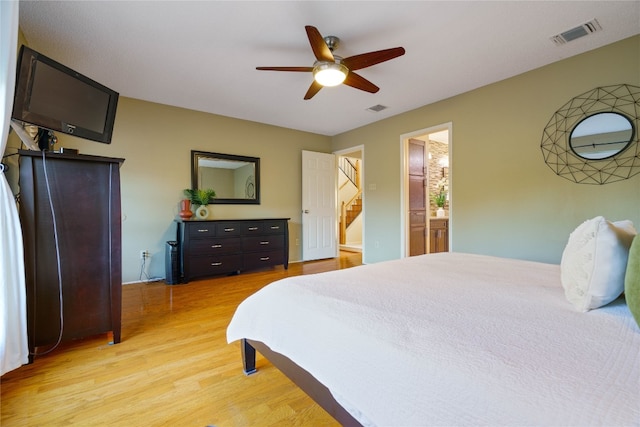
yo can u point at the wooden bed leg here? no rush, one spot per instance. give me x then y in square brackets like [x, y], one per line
[248, 357]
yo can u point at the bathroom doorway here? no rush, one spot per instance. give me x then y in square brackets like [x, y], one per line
[426, 192]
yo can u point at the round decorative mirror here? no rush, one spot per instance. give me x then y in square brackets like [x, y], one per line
[601, 136]
[593, 138]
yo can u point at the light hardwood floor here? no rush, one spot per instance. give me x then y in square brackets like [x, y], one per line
[172, 368]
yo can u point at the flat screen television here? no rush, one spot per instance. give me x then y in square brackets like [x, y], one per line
[55, 97]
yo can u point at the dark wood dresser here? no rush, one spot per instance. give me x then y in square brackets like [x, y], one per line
[85, 196]
[209, 248]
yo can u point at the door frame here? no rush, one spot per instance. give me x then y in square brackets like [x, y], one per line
[362, 182]
[404, 183]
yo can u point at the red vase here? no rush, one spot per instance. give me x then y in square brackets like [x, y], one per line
[185, 209]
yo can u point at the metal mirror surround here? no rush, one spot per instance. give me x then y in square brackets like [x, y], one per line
[593, 138]
[235, 179]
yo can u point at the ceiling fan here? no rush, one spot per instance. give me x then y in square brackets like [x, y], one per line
[332, 70]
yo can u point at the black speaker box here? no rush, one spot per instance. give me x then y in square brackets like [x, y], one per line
[172, 264]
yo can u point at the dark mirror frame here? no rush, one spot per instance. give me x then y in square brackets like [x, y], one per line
[197, 155]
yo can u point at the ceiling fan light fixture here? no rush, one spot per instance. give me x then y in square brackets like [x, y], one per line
[330, 73]
[332, 70]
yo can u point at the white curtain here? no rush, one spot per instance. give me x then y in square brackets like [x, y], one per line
[14, 350]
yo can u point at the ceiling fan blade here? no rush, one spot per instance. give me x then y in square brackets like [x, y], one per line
[359, 82]
[318, 45]
[313, 89]
[365, 60]
[305, 69]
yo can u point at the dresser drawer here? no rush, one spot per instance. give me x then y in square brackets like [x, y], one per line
[215, 246]
[229, 229]
[276, 227]
[215, 264]
[250, 228]
[202, 230]
[262, 243]
[263, 259]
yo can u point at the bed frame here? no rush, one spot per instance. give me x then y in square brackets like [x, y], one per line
[303, 379]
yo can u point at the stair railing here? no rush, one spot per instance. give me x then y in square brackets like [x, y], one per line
[351, 171]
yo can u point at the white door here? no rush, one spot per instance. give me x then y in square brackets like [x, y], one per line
[319, 214]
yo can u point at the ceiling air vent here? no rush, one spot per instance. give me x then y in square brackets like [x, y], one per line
[577, 32]
[377, 108]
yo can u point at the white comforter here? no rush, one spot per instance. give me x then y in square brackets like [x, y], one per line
[453, 339]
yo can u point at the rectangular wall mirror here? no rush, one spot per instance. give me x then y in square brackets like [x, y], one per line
[235, 179]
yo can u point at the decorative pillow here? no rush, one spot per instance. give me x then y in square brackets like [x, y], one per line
[632, 280]
[594, 262]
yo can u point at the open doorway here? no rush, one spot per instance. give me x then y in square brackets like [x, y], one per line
[351, 204]
[426, 193]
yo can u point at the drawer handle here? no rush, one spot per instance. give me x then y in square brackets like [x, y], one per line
[229, 229]
[216, 246]
[216, 264]
[264, 243]
[253, 228]
[203, 230]
[264, 258]
[275, 227]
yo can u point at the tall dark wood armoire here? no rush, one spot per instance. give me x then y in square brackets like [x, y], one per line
[80, 194]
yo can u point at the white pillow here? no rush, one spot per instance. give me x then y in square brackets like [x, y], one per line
[594, 262]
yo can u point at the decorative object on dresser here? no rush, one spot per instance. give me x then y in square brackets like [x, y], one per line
[212, 247]
[185, 209]
[201, 198]
[72, 244]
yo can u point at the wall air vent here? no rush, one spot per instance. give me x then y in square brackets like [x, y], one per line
[577, 32]
[377, 108]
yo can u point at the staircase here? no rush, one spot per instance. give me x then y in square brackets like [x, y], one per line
[351, 209]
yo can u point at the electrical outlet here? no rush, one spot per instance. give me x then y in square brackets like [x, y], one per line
[144, 254]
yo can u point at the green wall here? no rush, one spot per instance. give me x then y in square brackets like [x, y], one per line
[156, 142]
[505, 200]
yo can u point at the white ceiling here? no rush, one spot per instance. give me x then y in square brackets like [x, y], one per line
[202, 55]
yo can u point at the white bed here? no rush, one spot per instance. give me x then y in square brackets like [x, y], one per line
[453, 339]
